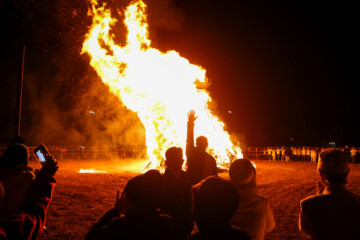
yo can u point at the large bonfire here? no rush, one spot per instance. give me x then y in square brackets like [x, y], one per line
[160, 87]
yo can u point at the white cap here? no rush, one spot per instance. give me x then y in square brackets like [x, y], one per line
[241, 172]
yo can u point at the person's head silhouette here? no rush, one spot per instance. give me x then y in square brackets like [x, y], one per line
[202, 142]
[215, 201]
[174, 159]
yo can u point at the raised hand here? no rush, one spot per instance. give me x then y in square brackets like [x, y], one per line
[50, 166]
[191, 116]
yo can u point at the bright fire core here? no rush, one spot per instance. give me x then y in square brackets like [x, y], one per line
[160, 87]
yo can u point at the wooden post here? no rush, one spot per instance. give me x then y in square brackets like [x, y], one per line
[19, 96]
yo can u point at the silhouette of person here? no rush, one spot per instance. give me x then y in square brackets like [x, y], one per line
[214, 203]
[16, 177]
[253, 214]
[176, 200]
[136, 214]
[200, 164]
[29, 221]
[334, 212]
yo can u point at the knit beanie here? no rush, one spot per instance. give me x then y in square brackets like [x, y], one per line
[14, 154]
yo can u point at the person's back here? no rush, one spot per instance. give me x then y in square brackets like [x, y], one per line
[16, 188]
[133, 225]
[29, 221]
[200, 164]
[253, 214]
[334, 213]
[16, 178]
[176, 200]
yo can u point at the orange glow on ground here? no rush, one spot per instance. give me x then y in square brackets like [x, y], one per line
[90, 171]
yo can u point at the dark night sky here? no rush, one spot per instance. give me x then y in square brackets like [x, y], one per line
[285, 69]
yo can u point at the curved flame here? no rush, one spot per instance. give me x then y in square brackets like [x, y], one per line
[160, 87]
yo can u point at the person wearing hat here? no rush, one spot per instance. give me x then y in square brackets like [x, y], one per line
[334, 213]
[136, 214]
[29, 221]
[253, 214]
[15, 176]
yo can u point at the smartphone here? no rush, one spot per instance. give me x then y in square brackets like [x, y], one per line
[42, 154]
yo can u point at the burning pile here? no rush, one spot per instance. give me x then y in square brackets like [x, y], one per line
[160, 87]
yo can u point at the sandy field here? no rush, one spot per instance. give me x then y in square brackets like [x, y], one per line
[81, 199]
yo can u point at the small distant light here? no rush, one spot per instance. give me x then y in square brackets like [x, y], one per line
[230, 112]
[82, 147]
[291, 139]
[92, 112]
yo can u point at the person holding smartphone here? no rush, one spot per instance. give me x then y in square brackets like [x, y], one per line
[16, 177]
[29, 221]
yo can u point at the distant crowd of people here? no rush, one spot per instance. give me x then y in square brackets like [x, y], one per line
[308, 154]
[192, 204]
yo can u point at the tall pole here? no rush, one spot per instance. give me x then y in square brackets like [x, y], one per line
[19, 95]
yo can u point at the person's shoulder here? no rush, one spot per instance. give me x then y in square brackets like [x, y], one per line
[196, 236]
[26, 176]
[316, 201]
[209, 157]
[120, 222]
[165, 220]
[354, 197]
[238, 234]
[312, 198]
[29, 174]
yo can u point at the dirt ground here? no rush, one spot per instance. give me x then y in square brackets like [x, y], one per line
[81, 199]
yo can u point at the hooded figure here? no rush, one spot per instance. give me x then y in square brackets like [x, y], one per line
[253, 214]
[16, 177]
[335, 212]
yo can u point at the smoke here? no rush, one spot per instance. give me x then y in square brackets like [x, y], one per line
[64, 101]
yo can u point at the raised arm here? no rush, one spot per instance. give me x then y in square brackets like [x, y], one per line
[190, 132]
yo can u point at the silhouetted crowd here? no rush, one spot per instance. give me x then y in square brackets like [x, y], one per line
[306, 154]
[192, 204]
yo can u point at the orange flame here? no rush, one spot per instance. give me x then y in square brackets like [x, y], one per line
[160, 87]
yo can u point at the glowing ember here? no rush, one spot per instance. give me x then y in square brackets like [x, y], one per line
[90, 171]
[160, 87]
